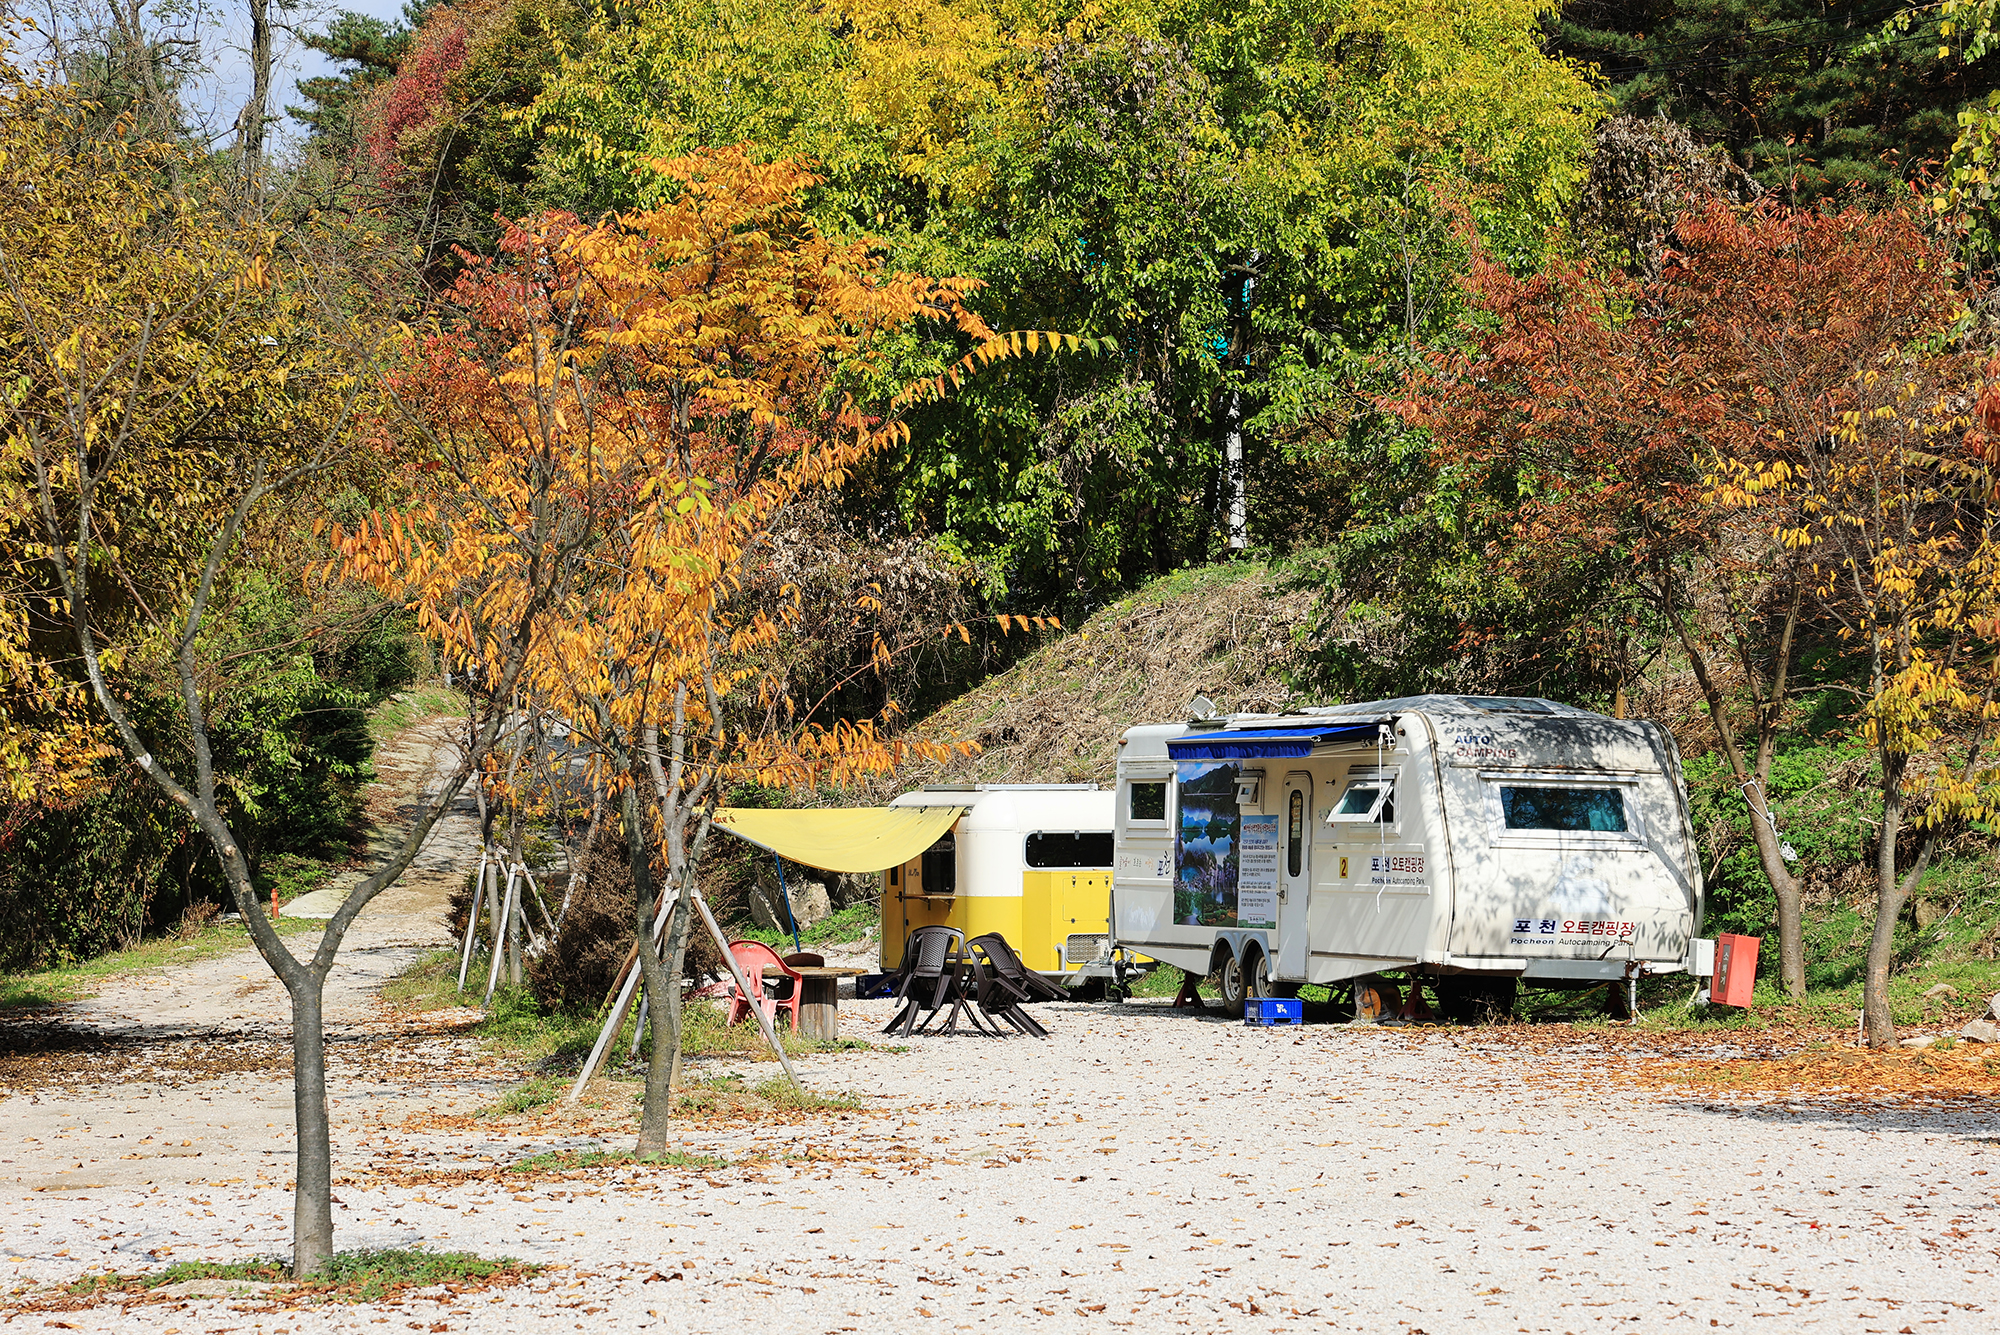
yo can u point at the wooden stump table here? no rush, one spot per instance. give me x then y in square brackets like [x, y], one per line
[819, 997]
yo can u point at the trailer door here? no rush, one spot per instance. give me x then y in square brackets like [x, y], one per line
[1295, 877]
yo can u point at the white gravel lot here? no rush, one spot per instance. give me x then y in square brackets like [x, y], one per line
[1139, 1169]
[1142, 1168]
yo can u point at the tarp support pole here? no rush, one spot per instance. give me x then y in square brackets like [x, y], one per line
[791, 918]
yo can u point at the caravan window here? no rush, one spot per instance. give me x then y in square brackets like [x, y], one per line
[1367, 801]
[1148, 801]
[1295, 833]
[1569, 810]
[1091, 849]
[940, 867]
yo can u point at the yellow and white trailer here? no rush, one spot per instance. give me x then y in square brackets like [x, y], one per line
[1029, 861]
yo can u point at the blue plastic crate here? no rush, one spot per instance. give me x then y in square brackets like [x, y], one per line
[1274, 1010]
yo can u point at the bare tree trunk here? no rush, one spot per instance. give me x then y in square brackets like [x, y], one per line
[675, 807]
[305, 981]
[312, 1197]
[655, 1118]
[518, 746]
[82, 458]
[579, 865]
[1752, 778]
[250, 125]
[1891, 891]
[514, 932]
[1236, 511]
[677, 940]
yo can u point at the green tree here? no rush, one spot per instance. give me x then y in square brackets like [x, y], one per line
[1250, 204]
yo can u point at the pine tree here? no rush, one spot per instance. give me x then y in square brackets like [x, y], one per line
[1809, 96]
[370, 50]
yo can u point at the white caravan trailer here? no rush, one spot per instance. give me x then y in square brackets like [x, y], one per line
[1476, 840]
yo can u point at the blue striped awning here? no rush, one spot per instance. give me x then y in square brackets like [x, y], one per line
[1256, 743]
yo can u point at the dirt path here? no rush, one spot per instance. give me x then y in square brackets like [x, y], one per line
[1154, 1170]
[180, 1075]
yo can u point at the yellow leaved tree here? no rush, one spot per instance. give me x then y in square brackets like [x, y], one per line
[1896, 505]
[179, 374]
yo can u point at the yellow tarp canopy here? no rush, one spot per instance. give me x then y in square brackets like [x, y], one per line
[842, 838]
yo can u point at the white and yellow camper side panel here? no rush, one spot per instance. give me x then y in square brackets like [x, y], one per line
[978, 878]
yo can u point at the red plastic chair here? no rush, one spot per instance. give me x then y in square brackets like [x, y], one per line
[753, 957]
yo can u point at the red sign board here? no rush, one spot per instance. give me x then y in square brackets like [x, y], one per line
[1735, 970]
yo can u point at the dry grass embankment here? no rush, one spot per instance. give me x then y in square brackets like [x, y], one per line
[1227, 632]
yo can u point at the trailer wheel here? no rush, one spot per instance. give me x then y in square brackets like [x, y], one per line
[1089, 989]
[1229, 982]
[1257, 978]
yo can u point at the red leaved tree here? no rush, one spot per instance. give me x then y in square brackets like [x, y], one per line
[413, 100]
[1627, 446]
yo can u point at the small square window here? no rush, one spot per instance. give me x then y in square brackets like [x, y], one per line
[1148, 801]
[1369, 801]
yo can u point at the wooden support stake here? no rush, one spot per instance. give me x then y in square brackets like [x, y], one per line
[499, 939]
[527, 923]
[624, 971]
[751, 994]
[472, 919]
[627, 984]
[638, 1028]
[517, 918]
[617, 1017]
[540, 902]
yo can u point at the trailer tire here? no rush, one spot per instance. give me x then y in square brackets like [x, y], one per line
[1257, 977]
[1230, 984]
[1089, 989]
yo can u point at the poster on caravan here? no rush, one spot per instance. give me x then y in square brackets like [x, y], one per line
[1225, 862]
[1257, 873]
[1208, 844]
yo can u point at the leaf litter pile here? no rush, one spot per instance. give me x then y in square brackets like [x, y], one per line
[42, 1056]
[1797, 1065]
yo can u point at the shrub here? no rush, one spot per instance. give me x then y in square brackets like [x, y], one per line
[573, 974]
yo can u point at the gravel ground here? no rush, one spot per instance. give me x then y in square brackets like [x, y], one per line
[1142, 1167]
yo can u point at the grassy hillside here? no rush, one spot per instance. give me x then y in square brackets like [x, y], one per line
[1055, 717]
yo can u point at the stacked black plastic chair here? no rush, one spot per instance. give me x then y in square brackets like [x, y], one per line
[933, 960]
[1004, 983]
